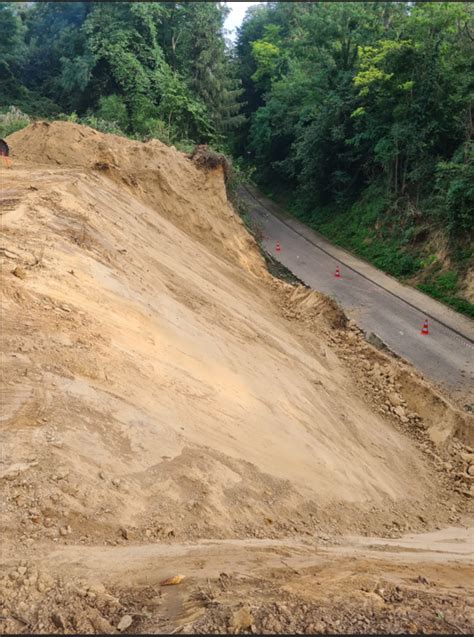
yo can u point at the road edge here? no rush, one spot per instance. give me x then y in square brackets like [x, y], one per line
[433, 309]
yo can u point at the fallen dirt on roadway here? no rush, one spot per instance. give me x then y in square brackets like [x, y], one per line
[169, 408]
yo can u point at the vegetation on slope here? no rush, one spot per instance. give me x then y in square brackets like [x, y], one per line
[360, 118]
[357, 115]
[147, 69]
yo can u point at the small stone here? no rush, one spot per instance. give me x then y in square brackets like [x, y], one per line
[470, 470]
[19, 272]
[125, 623]
[241, 620]
[21, 570]
[63, 531]
[399, 411]
[395, 399]
[58, 620]
[100, 624]
[124, 533]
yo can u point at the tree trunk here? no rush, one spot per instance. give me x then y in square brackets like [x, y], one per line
[395, 181]
[404, 175]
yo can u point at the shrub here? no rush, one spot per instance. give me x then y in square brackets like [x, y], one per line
[112, 109]
[13, 120]
[102, 125]
[460, 305]
[455, 190]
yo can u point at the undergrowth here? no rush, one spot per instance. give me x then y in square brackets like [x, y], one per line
[394, 246]
[12, 120]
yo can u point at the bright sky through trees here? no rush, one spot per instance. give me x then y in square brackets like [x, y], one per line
[236, 15]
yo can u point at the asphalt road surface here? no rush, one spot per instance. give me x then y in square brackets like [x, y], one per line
[377, 302]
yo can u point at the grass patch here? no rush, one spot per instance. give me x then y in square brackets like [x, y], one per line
[12, 120]
[444, 288]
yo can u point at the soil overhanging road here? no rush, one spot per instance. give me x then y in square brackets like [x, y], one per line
[377, 302]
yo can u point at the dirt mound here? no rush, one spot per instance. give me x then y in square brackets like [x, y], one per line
[159, 386]
[193, 199]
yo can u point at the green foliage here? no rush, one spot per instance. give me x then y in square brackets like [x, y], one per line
[199, 54]
[238, 174]
[457, 303]
[112, 108]
[12, 120]
[144, 68]
[455, 190]
[447, 282]
[97, 123]
[266, 56]
[11, 33]
[362, 114]
[357, 228]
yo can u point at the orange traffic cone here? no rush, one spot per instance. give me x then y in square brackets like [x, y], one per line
[277, 247]
[424, 329]
[337, 274]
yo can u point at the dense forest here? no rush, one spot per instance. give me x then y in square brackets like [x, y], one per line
[357, 116]
[149, 69]
[360, 117]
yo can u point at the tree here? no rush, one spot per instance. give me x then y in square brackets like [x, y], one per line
[361, 113]
[11, 34]
[196, 49]
[159, 68]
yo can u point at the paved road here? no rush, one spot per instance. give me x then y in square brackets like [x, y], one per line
[377, 302]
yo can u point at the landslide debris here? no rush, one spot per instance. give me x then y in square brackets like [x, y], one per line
[160, 386]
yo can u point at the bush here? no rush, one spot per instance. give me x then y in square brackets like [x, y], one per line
[102, 125]
[455, 190]
[437, 292]
[112, 109]
[447, 282]
[13, 120]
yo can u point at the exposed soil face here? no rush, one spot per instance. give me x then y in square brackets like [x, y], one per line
[161, 387]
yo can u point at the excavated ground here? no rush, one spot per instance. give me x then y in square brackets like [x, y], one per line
[168, 407]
